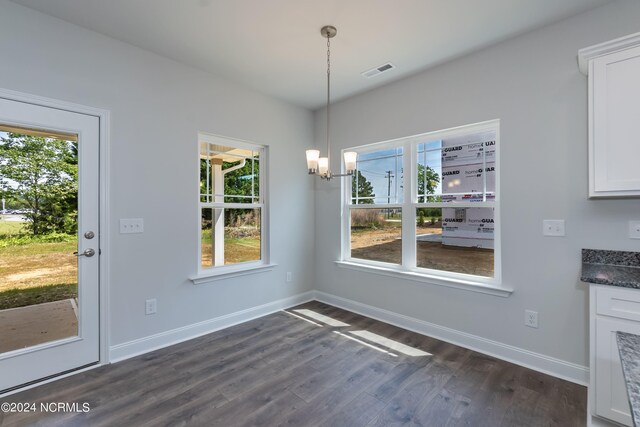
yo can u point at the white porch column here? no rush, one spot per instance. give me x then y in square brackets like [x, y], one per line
[218, 214]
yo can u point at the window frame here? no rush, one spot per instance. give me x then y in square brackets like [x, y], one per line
[205, 275]
[408, 268]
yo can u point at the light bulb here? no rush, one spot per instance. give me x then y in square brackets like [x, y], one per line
[323, 165]
[350, 158]
[312, 160]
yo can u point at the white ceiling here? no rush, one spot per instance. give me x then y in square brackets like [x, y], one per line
[275, 47]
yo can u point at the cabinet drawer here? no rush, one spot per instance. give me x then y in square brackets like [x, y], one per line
[618, 302]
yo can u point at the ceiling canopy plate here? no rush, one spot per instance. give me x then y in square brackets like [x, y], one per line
[328, 31]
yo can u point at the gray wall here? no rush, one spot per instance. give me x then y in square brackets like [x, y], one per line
[533, 85]
[157, 108]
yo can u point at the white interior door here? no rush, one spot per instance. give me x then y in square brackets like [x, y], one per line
[44, 339]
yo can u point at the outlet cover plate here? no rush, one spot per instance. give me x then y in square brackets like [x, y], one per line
[531, 318]
[150, 306]
[634, 229]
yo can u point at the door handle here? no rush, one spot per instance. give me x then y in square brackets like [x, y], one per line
[88, 253]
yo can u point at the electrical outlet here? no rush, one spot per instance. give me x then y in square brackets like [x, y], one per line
[553, 227]
[634, 229]
[289, 276]
[531, 318]
[150, 306]
[131, 225]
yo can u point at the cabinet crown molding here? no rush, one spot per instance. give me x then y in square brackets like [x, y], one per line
[588, 53]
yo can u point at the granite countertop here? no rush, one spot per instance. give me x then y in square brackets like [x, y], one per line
[614, 268]
[629, 347]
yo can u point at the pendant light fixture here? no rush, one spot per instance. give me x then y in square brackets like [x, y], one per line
[320, 165]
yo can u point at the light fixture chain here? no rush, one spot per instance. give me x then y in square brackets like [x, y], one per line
[328, 98]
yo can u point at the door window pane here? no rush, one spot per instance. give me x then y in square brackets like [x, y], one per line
[38, 235]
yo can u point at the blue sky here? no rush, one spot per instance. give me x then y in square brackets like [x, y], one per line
[374, 166]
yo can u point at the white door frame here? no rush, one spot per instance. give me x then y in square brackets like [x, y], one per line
[103, 211]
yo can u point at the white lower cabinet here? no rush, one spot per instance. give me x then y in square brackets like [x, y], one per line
[607, 391]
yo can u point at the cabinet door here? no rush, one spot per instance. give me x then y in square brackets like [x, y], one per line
[611, 398]
[615, 128]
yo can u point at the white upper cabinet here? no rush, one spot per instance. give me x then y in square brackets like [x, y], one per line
[613, 69]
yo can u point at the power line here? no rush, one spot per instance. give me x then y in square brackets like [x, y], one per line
[373, 173]
[388, 175]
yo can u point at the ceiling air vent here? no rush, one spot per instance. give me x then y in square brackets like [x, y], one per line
[378, 70]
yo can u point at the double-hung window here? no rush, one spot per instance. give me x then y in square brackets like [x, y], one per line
[427, 205]
[232, 204]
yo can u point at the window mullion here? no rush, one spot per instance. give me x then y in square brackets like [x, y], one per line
[265, 254]
[484, 173]
[357, 183]
[208, 164]
[408, 210]
[345, 213]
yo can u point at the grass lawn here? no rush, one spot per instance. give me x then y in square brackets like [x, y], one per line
[33, 271]
[10, 228]
[37, 295]
[235, 251]
[37, 264]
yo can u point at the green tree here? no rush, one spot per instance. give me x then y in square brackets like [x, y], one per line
[239, 185]
[428, 180]
[42, 174]
[361, 187]
[243, 182]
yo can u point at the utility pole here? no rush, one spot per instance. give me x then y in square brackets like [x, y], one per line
[388, 176]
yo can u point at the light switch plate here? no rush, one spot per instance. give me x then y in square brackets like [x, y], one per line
[634, 229]
[131, 225]
[553, 227]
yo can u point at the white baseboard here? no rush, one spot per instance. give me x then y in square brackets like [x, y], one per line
[593, 421]
[539, 362]
[164, 339]
[549, 365]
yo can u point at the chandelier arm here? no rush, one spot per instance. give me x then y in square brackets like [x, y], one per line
[334, 175]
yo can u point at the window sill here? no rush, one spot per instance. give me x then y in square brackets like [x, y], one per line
[224, 273]
[467, 285]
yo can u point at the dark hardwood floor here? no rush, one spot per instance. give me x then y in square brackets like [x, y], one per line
[284, 370]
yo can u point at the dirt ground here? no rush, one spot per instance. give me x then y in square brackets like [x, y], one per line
[385, 245]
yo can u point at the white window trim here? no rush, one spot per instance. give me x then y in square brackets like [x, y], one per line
[408, 269]
[429, 279]
[230, 271]
[208, 275]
